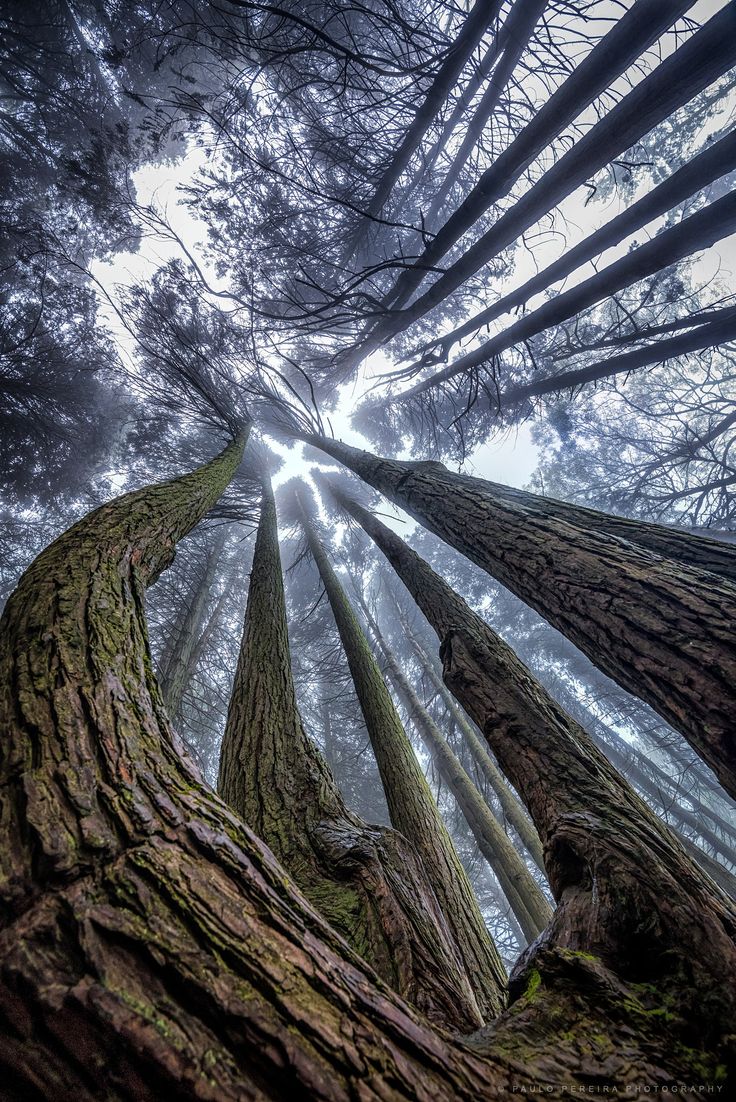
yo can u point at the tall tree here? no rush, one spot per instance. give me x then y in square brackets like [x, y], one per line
[659, 628]
[367, 881]
[410, 802]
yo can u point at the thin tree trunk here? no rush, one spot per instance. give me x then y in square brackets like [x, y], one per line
[699, 231]
[179, 662]
[411, 805]
[625, 888]
[662, 630]
[697, 339]
[477, 22]
[518, 29]
[532, 910]
[708, 54]
[151, 946]
[714, 161]
[512, 809]
[367, 881]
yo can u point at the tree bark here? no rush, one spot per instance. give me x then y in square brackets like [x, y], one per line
[697, 63]
[411, 805]
[366, 881]
[513, 811]
[624, 886]
[150, 945]
[709, 165]
[532, 910]
[661, 629]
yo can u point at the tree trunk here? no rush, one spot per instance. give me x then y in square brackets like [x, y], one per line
[697, 63]
[411, 805]
[699, 231]
[532, 910]
[513, 811]
[477, 22]
[662, 630]
[625, 888]
[518, 29]
[178, 664]
[150, 945]
[366, 881]
[709, 165]
[695, 340]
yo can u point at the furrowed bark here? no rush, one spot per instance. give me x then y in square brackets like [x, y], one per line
[714, 161]
[661, 629]
[707, 55]
[366, 881]
[699, 231]
[411, 805]
[151, 946]
[513, 811]
[623, 884]
[179, 663]
[532, 910]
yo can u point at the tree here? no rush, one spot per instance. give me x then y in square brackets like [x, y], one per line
[410, 802]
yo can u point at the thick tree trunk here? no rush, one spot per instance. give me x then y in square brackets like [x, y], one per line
[714, 161]
[625, 888]
[532, 910]
[150, 945]
[513, 811]
[179, 661]
[699, 231]
[697, 63]
[662, 630]
[367, 881]
[411, 805]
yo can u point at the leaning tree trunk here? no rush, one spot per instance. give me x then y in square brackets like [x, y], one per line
[531, 909]
[179, 661]
[411, 805]
[704, 57]
[512, 809]
[367, 881]
[713, 162]
[663, 630]
[691, 235]
[151, 946]
[626, 891]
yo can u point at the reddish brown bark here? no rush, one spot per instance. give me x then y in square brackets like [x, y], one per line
[662, 629]
[151, 947]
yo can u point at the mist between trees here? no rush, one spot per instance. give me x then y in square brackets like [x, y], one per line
[341, 759]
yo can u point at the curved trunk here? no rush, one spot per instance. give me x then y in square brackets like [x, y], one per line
[625, 888]
[366, 881]
[664, 631]
[412, 807]
[151, 946]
